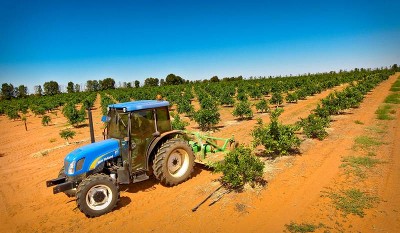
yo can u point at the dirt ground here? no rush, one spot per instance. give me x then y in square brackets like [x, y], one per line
[293, 193]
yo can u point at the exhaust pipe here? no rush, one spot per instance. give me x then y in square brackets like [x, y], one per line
[91, 125]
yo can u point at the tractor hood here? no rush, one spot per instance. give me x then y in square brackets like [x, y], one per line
[88, 157]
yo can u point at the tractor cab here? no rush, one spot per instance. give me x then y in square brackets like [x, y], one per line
[136, 125]
[138, 141]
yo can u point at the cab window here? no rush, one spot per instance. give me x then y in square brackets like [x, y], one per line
[163, 121]
[142, 122]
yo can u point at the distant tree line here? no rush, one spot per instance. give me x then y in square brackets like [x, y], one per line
[171, 79]
[8, 91]
[50, 88]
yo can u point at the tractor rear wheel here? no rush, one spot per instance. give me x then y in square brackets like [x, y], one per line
[174, 162]
[97, 195]
[71, 192]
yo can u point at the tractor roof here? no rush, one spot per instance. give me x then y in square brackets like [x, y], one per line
[140, 104]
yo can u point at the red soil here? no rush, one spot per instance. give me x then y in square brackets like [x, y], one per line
[293, 191]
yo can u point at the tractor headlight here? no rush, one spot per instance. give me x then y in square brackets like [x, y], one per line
[71, 167]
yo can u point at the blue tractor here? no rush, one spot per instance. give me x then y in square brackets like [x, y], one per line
[138, 141]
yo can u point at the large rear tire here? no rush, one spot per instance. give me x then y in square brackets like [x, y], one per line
[174, 162]
[97, 195]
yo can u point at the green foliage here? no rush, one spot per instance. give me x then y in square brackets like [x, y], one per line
[38, 110]
[302, 228]
[255, 93]
[208, 103]
[243, 110]
[358, 164]
[239, 167]
[292, 97]
[177, 123]
[88, 102]
[105, 101]
[352, 201]
[22, 91]
[262, 106]
[92, 85]
[67, 134]
[74, 116]
[184, 105]
[70, 87]
[77, 88]
[12, 113]
[393, 98]
[396, 85]
[151, 82]
[137, 84]
[7, 91]
[51, 88]
[173, 79]
[314, 126]
[366, 142]
[241, 96]
[214, 79]
[275, 137]
[385, 112]
[322, 112]
[46, 120]
[207, 118]
[107, 84]
[276, 98]
[226, 99]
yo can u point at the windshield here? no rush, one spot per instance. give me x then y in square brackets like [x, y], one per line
[118, 124]
[142, 123]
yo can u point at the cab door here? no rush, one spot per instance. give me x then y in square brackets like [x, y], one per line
[142, 130]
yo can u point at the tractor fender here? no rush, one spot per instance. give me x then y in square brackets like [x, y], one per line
[157, 141]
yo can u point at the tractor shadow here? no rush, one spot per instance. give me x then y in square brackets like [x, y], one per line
[123, 201]
[150, 184]
[84, 125]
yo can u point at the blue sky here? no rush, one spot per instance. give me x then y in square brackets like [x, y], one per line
[132, 40]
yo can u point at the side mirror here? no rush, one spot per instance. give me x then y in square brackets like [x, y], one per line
[105, 119]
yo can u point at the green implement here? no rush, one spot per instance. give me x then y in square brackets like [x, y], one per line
[209, 149]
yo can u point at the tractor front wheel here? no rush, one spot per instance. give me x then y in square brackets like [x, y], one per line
[174, 162]
[97, 195]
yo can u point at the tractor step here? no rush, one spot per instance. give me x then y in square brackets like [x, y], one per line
[140, 177]
[123, 176]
